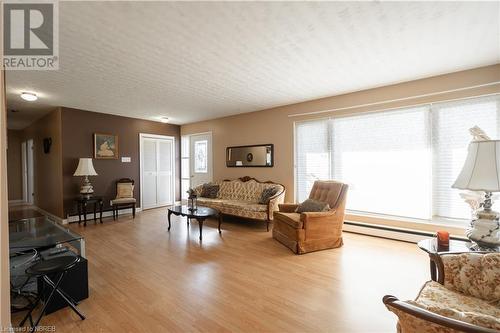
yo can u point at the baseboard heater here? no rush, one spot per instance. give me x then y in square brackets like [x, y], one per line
[407, 235]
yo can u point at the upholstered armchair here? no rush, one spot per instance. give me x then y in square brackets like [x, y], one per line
[465, 299]
[313, 231]
[124, 196]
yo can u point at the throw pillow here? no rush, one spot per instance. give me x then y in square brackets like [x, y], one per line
[267, 193]
[311, 205]
[125, 190]
[209, 191]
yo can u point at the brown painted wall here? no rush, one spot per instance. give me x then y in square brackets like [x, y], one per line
[78, 127]
[275, 126]
[14, 165]
[47, 167]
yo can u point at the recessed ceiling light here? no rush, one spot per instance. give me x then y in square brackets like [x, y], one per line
[30, 97]
[164, 120]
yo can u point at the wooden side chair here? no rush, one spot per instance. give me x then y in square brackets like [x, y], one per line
[124, 196]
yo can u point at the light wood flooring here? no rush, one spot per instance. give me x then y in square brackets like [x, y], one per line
[145, 279]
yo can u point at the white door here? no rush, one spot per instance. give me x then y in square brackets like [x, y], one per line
[27, 149]
[200, 152]
[157, 171]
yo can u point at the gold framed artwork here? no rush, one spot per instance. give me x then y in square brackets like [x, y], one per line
[105, 146]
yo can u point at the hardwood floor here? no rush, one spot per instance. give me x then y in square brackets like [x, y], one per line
[145, 279]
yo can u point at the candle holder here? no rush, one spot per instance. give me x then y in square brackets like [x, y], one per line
[443, 240]
[192, 200]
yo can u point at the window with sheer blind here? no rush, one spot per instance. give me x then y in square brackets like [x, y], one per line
[400, 162]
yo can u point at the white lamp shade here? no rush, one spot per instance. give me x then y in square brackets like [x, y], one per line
[85, 168]
[481, 170]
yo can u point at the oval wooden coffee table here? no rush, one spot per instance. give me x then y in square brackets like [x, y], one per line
[200, 215]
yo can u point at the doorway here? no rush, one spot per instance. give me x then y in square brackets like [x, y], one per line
[157, 170]
[27, 149]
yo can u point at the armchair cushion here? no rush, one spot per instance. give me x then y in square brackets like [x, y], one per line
[311, 205]
[124, 190]
[122, 201]
[474, 274]
[438, 299]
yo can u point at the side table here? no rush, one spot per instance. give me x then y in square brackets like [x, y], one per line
[430, 246]
[82, 201]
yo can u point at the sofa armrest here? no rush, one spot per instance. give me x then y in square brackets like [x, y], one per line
[417, 319]
[287, 207]
[275, 203]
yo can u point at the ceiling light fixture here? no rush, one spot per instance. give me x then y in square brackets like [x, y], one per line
[164, 120]
[30, 97]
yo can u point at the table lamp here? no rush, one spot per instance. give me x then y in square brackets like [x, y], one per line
[481, 172]
[85, 168]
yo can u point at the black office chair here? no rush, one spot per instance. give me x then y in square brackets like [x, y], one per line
[59, 265]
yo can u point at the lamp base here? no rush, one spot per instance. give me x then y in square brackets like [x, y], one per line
[86, 187]
[485, 230]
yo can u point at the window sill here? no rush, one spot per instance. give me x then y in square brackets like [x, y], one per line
[455, 227]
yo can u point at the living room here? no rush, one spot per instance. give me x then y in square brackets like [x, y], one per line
[254, 166]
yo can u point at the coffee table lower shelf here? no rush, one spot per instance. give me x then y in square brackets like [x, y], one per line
[200, 215]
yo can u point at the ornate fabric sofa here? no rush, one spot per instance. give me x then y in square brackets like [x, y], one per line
[466, 299]
[240, 197]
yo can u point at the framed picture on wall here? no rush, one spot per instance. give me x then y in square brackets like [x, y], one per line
[105, 146]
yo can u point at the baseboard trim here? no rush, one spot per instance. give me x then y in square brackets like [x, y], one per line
[406, 235]
[107, 213]
[16, 202]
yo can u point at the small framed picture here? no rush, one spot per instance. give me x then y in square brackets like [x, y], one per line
[105, 146]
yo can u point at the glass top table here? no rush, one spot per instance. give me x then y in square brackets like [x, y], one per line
[41, 233]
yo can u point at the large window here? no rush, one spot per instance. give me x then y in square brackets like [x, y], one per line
[399, 163]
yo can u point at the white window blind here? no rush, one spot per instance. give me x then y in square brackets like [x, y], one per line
[400, 163]
[385, 158]
[312, 155]
[450, 129]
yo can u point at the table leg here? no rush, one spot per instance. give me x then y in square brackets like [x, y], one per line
[100, 210]
[84, 214]
[95, 210]
[169, 214]
[220, 221]
[80, 246]
[433, 270]
[200, 224]
[79, 213]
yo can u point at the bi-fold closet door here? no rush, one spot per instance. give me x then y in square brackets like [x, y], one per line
[157, 170]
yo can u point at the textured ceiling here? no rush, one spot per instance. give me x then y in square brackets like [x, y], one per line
[194, 61]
